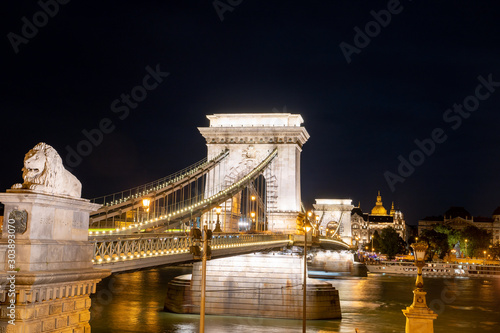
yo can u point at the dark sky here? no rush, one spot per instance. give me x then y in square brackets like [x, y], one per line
[264, 56]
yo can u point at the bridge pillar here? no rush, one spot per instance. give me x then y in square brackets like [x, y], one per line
[335, 214]
[254, 285]
[250, 138]
[46, 259]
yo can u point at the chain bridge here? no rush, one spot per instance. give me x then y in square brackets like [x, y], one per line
[58, 246]
[247, 190]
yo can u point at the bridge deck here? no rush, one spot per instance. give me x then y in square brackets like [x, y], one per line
[149, 251]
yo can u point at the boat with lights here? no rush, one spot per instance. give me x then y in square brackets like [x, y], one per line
[435, 269]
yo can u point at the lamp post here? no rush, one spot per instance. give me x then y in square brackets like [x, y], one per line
[252, 208]
[306, 227]
[218, 210]
[145, 204]
[252, 215]
[317, 225]
[372, 243]
[466, 252]
[419, 318]
[419, 251]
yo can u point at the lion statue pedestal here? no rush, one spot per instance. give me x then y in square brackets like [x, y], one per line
[45, 249]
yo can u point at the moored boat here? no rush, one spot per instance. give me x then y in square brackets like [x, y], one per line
[436, 269]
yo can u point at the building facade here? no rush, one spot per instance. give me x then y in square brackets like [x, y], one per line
[459, 218]
[364, 225]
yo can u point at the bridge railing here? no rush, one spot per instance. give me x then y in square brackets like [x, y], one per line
[142, 190]
[113, 250]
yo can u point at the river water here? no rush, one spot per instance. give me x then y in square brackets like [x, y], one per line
[133, 302]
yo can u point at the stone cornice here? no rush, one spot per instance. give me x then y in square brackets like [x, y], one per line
[255, 135]
[20, 196]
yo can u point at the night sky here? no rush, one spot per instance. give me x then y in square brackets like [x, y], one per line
[365, 96]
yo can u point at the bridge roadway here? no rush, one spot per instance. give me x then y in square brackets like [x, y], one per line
[136, 252]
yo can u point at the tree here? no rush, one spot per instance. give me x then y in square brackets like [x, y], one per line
[391, 243]
[478, 240]
[377, 242]
[454, 236]
[437, 241]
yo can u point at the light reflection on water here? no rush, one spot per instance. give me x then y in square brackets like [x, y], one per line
[133, 302]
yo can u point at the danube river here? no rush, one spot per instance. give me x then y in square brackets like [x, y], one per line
[133, 302]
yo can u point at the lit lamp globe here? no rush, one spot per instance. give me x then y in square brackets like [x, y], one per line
[307, 226]
[419, 250]
[218, 211]
[145, 203]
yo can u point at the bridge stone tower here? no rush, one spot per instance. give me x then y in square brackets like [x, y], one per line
[251, 137]
[335, 213]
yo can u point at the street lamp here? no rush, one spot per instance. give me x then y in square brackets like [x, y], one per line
[419, 318]
[419, 251]
[145, 204]
[218, 210]
[253, 198]
[252, 215]
[466, 252]
[306, 227]
[372, 242]
[316, 225]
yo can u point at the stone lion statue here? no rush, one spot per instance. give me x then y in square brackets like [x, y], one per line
[43, 171]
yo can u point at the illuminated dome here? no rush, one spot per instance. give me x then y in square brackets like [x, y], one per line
[379, 209]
